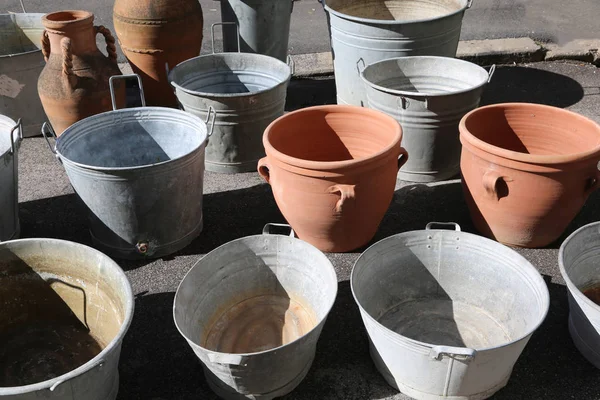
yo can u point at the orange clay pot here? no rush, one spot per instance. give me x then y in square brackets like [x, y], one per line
[333, 172]
[527, 170]
[153, 33]
[74, 83]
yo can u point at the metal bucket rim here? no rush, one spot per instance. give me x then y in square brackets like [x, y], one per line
[41, 27]
[94, 362]
[228, 95]
[573, 289]
[424, 95]
[328, 307]
[199, 126]
[500, 248]
[10, 124]
[392, 22]
[328, 166]
[469, 139]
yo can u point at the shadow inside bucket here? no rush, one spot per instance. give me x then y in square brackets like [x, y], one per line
[531, 85]
[41, 337]
[13, 40]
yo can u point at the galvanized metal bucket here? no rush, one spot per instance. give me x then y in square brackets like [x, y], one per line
[376, 30]
[47, 285]
[140, 173]
[264, 26]
[21, 62]
[448, 313]
[11, 134]
[428, 96]
[578, 259]
[295, 280]
[247, 91]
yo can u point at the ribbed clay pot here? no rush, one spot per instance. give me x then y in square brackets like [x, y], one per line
[333, 172]
[527, 170]
[153, 33]
[74, 83]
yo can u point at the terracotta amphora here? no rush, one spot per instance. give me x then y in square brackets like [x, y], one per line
[527, 169]
[154, 34]
[333, 172]
[74, 83]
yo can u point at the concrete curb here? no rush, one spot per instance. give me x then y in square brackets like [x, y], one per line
[482, 52]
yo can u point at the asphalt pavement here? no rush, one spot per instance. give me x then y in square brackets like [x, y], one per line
[543, 20]
[156, 362]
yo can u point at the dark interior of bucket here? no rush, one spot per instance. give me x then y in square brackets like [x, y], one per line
[319, 135]
[399, 10]
[534, 130]
[131, 143]
[47, 323]
[15, 39]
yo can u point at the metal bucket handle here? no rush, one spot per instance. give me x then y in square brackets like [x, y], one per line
[267, 228]
[212, 34]
[23, 6]
[112, 88]
[47, 129]
[13, 141]
[291, 64]
[469, 3]
[491, 72]
[364, 66]
[212, 111]
[443, 225]
[458, 353]
[56, 384]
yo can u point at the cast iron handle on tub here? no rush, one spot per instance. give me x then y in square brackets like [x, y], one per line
[346, 194]
[433, 224]
[263, 170]
[267, 228]
[490, 183]
[403, 157]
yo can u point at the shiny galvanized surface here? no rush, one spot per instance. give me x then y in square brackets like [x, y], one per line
[448, 313]
[247, 91]
[264, 26]
[376, 30]
[428, 96]
[578, 259]
[21, 62]
[78, 269]
[140, 172]
[244, 268]
[10, 139]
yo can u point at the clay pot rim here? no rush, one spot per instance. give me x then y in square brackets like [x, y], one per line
[468, 138]
[340, 14]
[80, 16]
[333, 165]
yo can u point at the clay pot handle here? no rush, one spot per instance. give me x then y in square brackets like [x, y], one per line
[111, 48]
[403, 157]
[67, 65]
[263, 170]
[490, 183]
[45, 45]
[346, 194]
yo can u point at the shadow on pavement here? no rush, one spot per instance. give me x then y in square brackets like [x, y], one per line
[531, 85]
[307, 92]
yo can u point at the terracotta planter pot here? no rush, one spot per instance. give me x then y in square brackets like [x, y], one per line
[527, 170]
[74, 83]
[333, 172]
[153, 33]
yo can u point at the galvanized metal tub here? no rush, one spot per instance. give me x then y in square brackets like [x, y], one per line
[578, 259]
[140, 173]
[448, 313]
[247, 91]
[376, 30]
[428, 96]
[49, 287]
[21, 62]
[264, 26]
[11, 134]
[300, 285]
